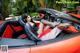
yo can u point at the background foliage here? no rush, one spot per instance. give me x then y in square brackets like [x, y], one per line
[18, 7]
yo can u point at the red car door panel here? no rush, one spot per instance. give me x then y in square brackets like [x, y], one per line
[71, 45]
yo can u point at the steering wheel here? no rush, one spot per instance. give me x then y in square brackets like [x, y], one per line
[27, 29]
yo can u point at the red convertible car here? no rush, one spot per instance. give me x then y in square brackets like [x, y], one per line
[64, 43]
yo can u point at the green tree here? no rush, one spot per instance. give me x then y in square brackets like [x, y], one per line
[6, 8]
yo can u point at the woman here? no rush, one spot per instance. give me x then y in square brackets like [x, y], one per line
[28, 20]
[32, 24]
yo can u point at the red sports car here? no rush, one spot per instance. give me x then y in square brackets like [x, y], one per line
[64, 43]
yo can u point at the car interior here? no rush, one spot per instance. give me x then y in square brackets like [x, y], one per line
[9, 30]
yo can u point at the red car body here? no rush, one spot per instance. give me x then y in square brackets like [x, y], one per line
[71, 45]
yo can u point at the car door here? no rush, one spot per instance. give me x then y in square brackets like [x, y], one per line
[67, 45]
